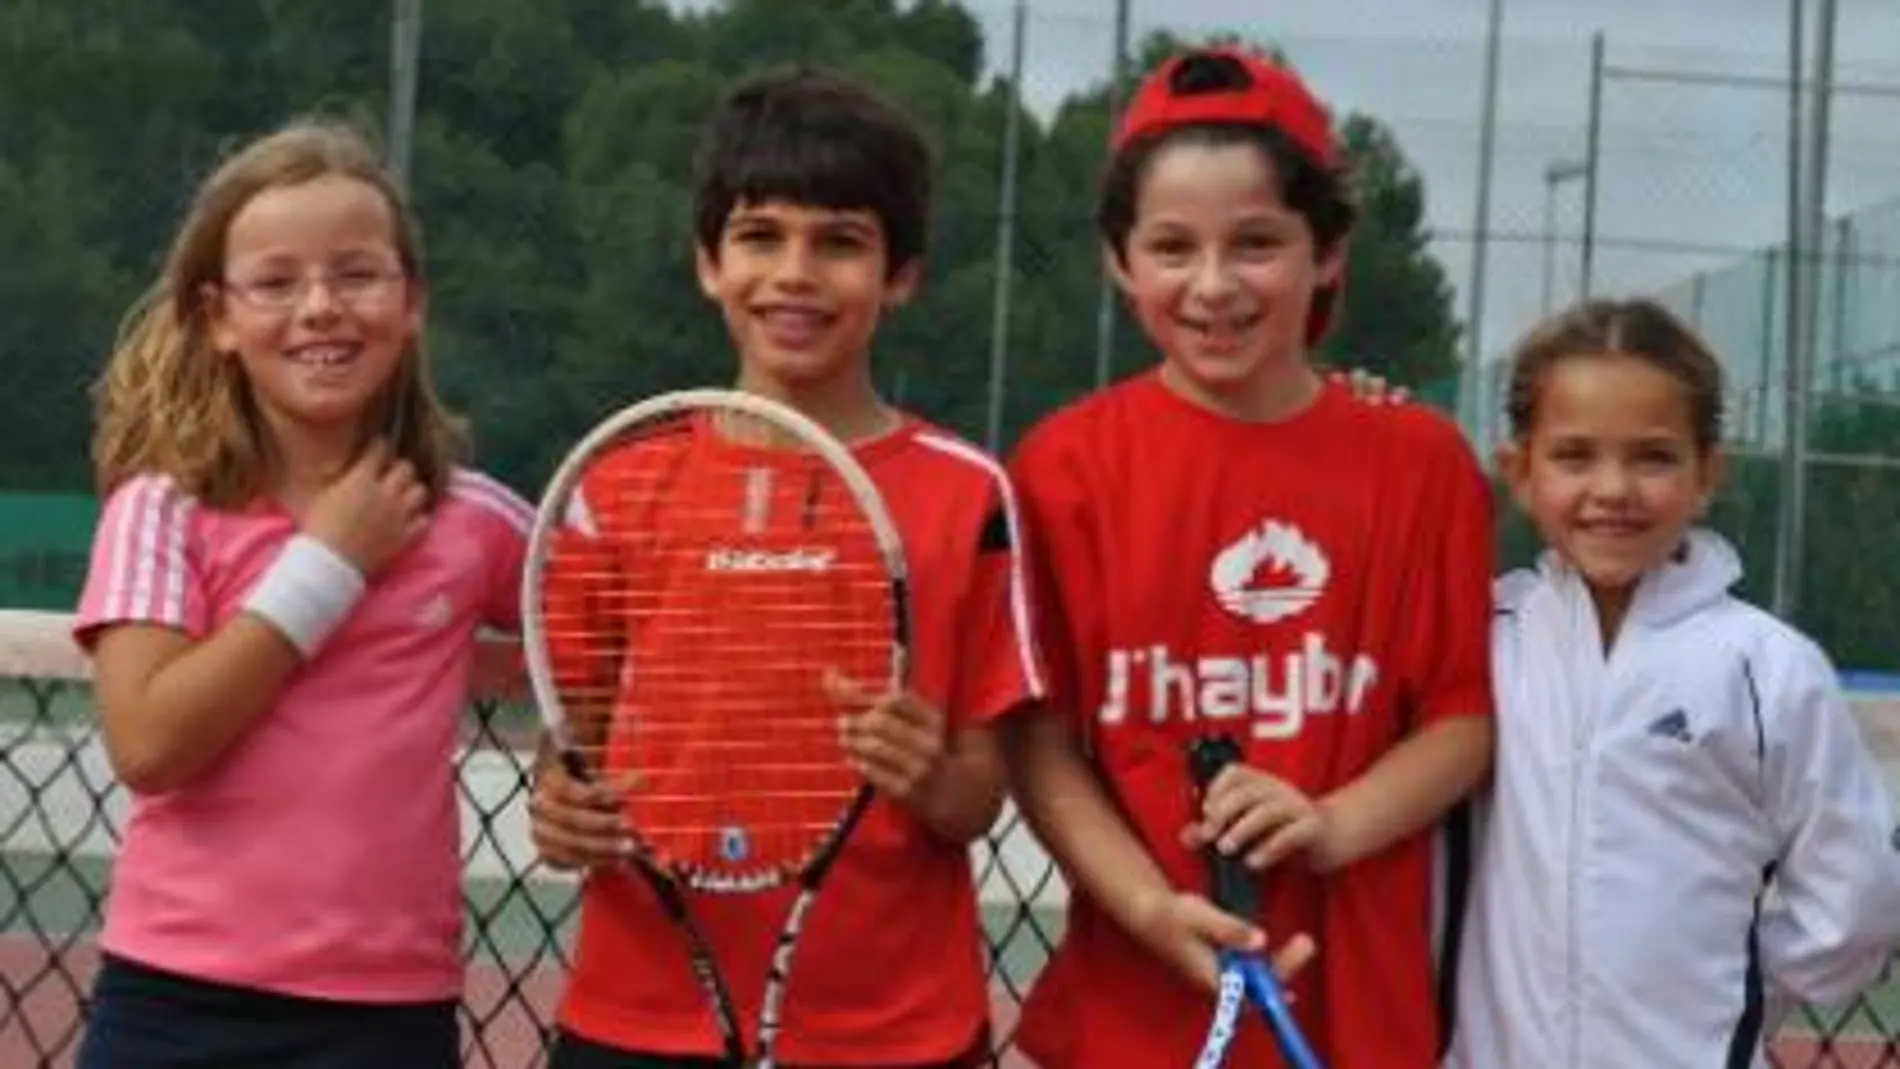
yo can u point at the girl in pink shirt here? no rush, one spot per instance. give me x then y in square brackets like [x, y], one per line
[284, 590]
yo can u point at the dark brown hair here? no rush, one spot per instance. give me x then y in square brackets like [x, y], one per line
[1640, 329]
[817, 140]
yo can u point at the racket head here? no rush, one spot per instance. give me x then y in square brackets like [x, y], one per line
[699, 564]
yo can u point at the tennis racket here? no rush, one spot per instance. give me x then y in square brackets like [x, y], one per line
[1244, 977]
[699, 563]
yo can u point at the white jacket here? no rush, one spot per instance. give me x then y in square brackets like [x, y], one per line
[1618, 917]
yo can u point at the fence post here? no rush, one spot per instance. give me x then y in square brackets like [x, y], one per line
[405, 52]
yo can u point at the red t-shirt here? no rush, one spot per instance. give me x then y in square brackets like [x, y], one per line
[1318, 587]
[889, 969]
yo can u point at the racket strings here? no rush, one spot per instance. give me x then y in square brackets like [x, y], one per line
[696, 618]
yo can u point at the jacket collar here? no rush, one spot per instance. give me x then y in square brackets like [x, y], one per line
[1699, 574]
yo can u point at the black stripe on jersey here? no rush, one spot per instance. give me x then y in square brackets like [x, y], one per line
[1747, 1035]
[1456, 840]
[1754, 710]
[1748, 1029]
[995, 533]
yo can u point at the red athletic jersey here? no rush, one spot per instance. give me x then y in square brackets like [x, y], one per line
[1317, 587]
[889, 969]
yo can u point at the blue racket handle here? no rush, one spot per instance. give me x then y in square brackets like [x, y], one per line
[1263, 989]
[1237, 890]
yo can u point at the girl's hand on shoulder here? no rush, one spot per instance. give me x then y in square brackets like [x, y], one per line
[371, 512]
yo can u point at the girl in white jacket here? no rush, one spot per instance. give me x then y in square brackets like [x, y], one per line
[1686, 834]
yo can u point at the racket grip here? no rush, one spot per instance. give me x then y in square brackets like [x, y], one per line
[1234, 889]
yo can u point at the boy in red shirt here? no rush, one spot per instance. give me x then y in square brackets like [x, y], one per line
[1229, 543]
[811, 203]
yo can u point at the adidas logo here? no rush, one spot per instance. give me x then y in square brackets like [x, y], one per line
[1673, 725]
[437, 612]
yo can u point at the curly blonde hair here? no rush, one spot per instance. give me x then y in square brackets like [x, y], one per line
[169, 403]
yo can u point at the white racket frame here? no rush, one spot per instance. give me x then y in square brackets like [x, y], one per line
[550, 515]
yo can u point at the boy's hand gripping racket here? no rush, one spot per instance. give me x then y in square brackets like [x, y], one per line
[1244, 977]
[698, 564]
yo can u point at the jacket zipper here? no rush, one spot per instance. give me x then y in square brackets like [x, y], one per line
[1601, 674]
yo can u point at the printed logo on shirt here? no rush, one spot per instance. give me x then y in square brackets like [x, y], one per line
[437, 612]
[1269, 574]
[1276, 694]
[1673, 725]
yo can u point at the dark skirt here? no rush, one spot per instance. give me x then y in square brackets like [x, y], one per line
[146, 1018]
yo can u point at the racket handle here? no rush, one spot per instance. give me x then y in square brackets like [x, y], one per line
[1264, 989]
[1234, 889]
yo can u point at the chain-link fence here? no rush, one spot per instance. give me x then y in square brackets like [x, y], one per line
[1633, 162]
[63, 812]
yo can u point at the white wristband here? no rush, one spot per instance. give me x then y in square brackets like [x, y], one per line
[306, 592]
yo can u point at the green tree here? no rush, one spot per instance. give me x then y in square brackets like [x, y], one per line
[48, 351]
[1397, 316]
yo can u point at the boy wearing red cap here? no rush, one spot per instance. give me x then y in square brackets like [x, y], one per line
[1228, 543]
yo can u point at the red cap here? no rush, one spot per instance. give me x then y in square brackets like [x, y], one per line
[1276, 98]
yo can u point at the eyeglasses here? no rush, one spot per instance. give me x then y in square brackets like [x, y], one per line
[358, 287]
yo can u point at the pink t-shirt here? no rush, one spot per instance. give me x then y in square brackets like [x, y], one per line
[319, 855]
